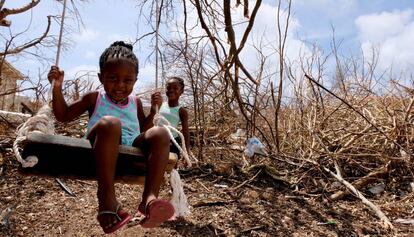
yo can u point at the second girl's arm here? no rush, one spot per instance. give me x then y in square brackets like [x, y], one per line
[184, 124]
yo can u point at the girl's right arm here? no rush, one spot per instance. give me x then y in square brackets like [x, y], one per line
[64, 112]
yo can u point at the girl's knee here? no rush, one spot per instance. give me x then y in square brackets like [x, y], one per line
[159, 134]
[109, 124]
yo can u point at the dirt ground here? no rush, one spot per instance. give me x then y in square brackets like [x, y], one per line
[224, 202]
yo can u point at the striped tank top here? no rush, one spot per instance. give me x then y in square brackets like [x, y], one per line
[126, 113]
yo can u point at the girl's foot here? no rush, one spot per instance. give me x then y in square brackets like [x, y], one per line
[156, 212]
[111, 221]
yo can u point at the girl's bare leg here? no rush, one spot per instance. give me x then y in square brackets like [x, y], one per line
[105, 138]
[156, 144]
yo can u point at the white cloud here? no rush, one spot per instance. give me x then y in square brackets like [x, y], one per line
[379, 27]
[392, 34]
[86, 35]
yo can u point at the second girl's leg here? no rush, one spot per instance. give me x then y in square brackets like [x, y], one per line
[105, 137]
[155, 143]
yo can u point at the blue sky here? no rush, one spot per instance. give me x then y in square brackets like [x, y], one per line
[359, 25]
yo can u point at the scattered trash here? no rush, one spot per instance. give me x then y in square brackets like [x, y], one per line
[220, 185]
[254, 146]
[405, 221]
[377, 189]
[66, 188]
[329, 222]
[412, 186]
[4, 217]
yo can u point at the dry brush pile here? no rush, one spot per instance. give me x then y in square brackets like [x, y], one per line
[356, 138]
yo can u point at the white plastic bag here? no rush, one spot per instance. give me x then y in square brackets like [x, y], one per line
[253, 145]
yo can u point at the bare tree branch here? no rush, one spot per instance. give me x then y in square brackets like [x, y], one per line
[4, 12]
[31, 43]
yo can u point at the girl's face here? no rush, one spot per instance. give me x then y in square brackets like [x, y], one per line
[118, 78]
[174, 89]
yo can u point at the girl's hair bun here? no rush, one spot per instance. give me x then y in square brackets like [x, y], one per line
[123, 44]
[118, 50]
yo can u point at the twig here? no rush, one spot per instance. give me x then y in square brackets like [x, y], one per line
[84, 182]
[7, 121]
[248, 185]
[295, 197]
[253, 228]
[279, 159]
[66, 188]
[247, 181]
[214, 203]
[202, 185]
[385, 221]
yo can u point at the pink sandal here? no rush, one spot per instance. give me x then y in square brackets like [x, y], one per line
[156, 212]
[121, 216]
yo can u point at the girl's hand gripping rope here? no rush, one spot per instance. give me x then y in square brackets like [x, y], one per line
[156, 101]
[55, 76]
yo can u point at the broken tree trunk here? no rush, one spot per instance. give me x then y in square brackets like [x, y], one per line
[385, 222]
[364, 181]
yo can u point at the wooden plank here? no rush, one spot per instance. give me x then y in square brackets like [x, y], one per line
[59, 140]
[61, 156]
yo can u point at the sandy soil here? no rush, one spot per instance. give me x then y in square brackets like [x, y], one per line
[224, 202]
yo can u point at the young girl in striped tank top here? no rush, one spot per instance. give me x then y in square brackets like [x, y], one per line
[117, 117]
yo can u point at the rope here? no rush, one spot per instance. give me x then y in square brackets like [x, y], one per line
[43, 121]
[160, 121]
[59, 45]
[157, 29]
[179, 199]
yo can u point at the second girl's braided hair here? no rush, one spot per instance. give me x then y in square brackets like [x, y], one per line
[118, 50]
[180, 81]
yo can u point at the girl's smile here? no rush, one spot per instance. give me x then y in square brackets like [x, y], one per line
[174, 90]
[118, 79]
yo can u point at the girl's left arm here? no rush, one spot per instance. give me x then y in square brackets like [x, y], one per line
[184, 124]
